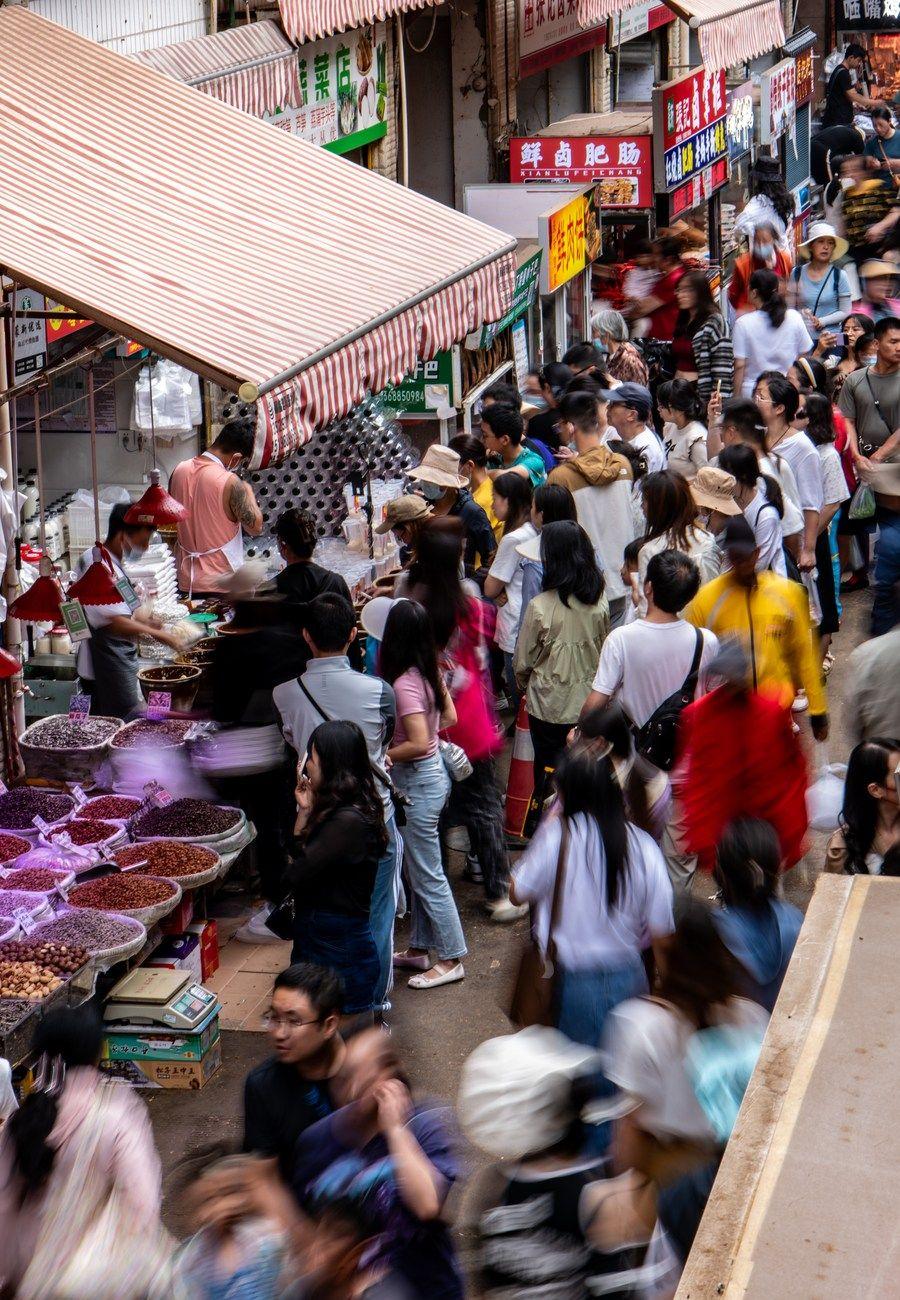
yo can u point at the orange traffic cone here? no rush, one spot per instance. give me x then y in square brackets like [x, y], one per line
[520, 786]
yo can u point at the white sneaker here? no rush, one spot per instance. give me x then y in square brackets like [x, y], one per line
[503, 911]
[255, 930]
[801, 703]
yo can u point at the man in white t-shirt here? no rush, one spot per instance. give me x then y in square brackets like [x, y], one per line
[629, 412]
[645, 662]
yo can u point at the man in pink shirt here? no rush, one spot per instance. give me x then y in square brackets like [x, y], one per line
[221, 508]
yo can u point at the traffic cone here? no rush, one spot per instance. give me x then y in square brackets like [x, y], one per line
[520, 786]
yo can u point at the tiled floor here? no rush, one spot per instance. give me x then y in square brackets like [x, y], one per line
[243, 981]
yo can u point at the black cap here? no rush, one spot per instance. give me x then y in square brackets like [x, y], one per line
[738, 536]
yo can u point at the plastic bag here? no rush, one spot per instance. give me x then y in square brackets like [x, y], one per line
[825, 797]
[862, 503]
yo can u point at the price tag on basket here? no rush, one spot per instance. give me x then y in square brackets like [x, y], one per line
[24, 920]
[63, 890]
[156, 795]
[3, 789]
[79, 707]
[159, 705]
[79, 796]
[43, 827]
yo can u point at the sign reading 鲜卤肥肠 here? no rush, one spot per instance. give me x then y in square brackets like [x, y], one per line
[570, 240]
[524, 292]
[777, 101]
[739, 121]
[688, 127]
[549, 31]
[343, 91]
[623, 165]
[866, 15]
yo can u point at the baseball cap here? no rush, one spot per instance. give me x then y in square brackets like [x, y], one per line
[628, 394]
[403, 510]
[737, 536]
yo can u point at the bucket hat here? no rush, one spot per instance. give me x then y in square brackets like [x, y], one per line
[822, 230]
[403, 510]
[439, 465]
[712, 490]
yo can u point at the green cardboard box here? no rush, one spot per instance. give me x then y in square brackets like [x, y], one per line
[159, 1043]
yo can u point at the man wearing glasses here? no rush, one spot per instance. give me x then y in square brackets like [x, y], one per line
[292, 1089]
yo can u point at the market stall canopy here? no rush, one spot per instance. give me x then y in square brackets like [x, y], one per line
[253, 68]
[729, 31]
[262, 262]
[310, 20]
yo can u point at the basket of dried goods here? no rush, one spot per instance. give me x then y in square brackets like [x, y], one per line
[26, 979]
[193, 820]
[20, 806]
[34, 904]
[63, 959]
[11, 848]
[178, 680]
[64, 748]
[8, 928]
[146, 898]
[192, 865]
[91, 832]
[18, 1017]
[111, 807]
[147, 733]
[108, 937]
[40, 880]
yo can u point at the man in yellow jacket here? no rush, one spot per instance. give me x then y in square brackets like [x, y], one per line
[769, 615]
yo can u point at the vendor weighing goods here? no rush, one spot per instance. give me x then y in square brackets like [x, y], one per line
[157, 996]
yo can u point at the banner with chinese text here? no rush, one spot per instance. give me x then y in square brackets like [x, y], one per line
[867, 15]
[623, 165]
[549, 32]
[688, 127]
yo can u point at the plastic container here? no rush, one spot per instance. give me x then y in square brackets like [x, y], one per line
[82, 528]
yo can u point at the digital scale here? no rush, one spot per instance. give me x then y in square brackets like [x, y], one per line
[155, 995]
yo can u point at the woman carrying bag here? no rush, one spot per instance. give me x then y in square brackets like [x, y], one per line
[820, 288]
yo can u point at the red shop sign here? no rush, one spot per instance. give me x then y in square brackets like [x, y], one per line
[622, 164]
[688, 127]
[699, 189]
[803, 71]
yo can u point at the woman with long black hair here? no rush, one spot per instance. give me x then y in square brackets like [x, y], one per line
[683, 433]
[339, 838]
[701, 344]
[616, 898]
[560, 641]
[673, 525]
[870, 818]
[409, 662]
[768, 337]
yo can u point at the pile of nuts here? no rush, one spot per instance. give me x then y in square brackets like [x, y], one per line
[60, 958]
[87, 830]
[63, 732]
[120, 806]
[26, 979]
[166, 858]
[90, 930]
[192, 818]
[20, 806]
[146, 734]
[11, 899]
[122, 893]
[12, 846]
[39, 879]
[11, 1012]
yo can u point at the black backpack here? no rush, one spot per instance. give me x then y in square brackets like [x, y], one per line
[656, 739]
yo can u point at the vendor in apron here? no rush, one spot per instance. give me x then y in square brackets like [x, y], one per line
[221, 508]
[108, 663]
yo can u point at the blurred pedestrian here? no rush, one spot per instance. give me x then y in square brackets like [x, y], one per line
[661, 304]
[767, 337]
[701, 346]
[872, 705]
[607, 731]
[878, 300]
[869, 827]
[768, 252]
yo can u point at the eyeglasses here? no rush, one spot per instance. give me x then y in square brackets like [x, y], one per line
[271, 1021]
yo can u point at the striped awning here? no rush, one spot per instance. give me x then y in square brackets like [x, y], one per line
[253, 68]
[730, 32]
[262, 262]
[310, 20]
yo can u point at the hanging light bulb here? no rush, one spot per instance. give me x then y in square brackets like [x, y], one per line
[41, 602]
[95, 586]
[157, 508]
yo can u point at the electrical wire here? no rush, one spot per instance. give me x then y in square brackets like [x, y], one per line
[420, 49]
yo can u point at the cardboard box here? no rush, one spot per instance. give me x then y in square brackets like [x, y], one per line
[157, 1043]
[178, 921]
[142, 1072]
[209, 946]
[179, 952]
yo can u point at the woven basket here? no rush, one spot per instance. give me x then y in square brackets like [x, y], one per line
[81, 764]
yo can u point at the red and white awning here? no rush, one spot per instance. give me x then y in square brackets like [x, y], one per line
[310, 20]
[262, 262]
[253, 68]
[729, 31]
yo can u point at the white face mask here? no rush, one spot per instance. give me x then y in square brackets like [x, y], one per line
[431, 491]
[765, 251]
[131, 554]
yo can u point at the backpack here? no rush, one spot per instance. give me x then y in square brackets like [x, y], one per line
[656, 739]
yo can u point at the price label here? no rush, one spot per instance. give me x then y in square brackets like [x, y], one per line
[128, 593]
[42, 826]
[159, 705]
[162, 797]
[3, 789]
[79, 707]
[75, 619]
[63, 890]
[79, 796]
[24, 920]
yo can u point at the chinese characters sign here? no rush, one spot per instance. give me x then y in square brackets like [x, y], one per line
[59, 327]
[549, 31]
[343, 89]
[803, 77]
[523, 296]
[739, 122]
[777, 101]
[866, 15]
[29, 338]
[622, 164]
[699, 189]
[432, 385]
[688, 127]
[639, 20]
[570, 240]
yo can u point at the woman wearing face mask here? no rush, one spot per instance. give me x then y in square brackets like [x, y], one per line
[766, 253]
[107, 663]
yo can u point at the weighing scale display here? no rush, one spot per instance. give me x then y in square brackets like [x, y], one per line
[155, 996]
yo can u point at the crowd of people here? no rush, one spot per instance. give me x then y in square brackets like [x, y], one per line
[642, 560]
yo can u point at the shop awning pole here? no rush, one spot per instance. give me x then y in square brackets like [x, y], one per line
[92, 417]
[12, 628]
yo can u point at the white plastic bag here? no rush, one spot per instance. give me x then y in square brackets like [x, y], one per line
[825, 797]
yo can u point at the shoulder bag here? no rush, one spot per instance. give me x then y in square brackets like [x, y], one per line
[656, 739]
[533, 1000]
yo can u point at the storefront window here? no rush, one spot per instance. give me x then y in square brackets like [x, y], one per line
[576, 324]
[884, 56]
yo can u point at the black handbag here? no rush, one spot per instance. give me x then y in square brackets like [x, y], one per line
[656, 740]
[281, 918]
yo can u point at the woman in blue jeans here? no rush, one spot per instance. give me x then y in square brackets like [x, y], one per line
[409, 663]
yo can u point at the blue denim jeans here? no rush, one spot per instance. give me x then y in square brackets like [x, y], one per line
[383, 909]
[344, 944]
[887, 571]
[435, 920]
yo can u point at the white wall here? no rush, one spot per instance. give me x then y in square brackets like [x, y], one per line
[128, 26]
[471, 152]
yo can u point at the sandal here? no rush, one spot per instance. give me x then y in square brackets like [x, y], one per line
[451, 976]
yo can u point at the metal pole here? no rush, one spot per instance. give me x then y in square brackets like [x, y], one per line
[92, 415]
[40, 470]
[12, 628]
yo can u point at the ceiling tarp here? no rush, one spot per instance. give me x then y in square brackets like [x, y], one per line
[729, 32]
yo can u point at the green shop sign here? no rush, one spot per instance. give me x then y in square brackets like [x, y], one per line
[432, 385]
[523, 296]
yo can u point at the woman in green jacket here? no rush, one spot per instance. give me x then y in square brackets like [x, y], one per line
[559, 642]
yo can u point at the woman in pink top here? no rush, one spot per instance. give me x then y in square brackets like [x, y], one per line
[409, 663]
[77, 1114]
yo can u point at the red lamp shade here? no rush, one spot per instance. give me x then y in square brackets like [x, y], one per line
[95, 586]
[9, 665]
[41, 602]
[157, 508]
